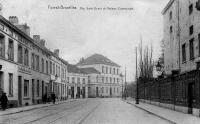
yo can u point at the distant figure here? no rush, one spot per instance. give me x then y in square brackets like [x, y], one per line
[4, 101]
[45, 98]
[53, 96]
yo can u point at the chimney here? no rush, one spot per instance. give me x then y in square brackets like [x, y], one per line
[56, 51]
[1, 8]
[36, 38]
[42, 42]
[24, 27]
[14, 20]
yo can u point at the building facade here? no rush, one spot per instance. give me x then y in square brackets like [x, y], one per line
[22, 77]
[77, 82]
[181, 35]
[107, 81]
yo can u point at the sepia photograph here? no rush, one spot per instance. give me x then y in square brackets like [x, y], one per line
[99, 62]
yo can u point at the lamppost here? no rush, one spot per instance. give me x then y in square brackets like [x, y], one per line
[137, 91]
[125, 88]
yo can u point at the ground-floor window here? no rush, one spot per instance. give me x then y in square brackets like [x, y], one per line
[106, 89]
[26, 88]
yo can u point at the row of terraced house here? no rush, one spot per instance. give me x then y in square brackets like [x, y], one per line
[29, 70]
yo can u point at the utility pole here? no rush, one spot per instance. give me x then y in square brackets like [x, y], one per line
[137, 94]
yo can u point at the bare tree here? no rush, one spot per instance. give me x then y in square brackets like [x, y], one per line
[145, 62]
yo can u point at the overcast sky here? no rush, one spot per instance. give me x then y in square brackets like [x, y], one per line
[78, 33]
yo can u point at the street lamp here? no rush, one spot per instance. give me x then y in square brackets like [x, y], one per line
[158, 66]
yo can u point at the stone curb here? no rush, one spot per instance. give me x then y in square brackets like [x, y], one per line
[37, 107]
[164, 118]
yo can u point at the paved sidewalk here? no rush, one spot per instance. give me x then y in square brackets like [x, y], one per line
[31, 107]
[170, 115]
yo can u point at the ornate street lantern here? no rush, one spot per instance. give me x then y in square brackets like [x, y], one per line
[158, 66]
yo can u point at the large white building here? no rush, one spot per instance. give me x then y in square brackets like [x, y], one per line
[181, 35]
[106, 80]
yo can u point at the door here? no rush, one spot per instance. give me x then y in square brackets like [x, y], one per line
[97, 92]
[83, 92]
[20, 90]
[110, 91]
[78, 92]
[190, 97]
[33, 91]
[1, 83]
[72, 91]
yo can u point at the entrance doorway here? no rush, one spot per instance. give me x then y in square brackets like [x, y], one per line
[1, 83]
[190, 97]
[97, 92]
[20, 90]
[72, 91]
[33, 91]
[78, 92]
[111, 92]
[83, 92]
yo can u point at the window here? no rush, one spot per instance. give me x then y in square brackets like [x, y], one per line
[102, 69]
[191, 29]
[102, 79]
[67, 79]
[171, 29]
[26, 88]
[26, 57]
[83, 80]
[11, 50]
[42, 65]
[88, 79]
[106, 70]
[106, 89]
[110, 80]
[191, 49]
[117, 71]
[183, 53]
[170, 15]
[54, 68]
[114, 80]
[38, 88]
[73, 80]
[102, 89]
[114, 90]
[47, 67]
[97, 79]
[20, 54]
[10, 84]
[117, 90]
[117, 80]
[50, 67]
[33, 61]
[59, 71]
[114, 70]
[2, 46]
[106, 79]
[37, 62]
[78, 80]
[110, 70]
[190, 9]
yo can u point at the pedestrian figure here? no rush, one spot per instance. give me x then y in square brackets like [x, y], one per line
[45, 98]
[53, 96]
[4, 101]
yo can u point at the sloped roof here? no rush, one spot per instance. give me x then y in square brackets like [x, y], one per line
[74, 69]
[90, 71]
[97, 59]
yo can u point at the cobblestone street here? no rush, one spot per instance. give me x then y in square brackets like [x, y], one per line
[84, 111]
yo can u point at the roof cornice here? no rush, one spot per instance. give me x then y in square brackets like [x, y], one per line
[167, 6]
